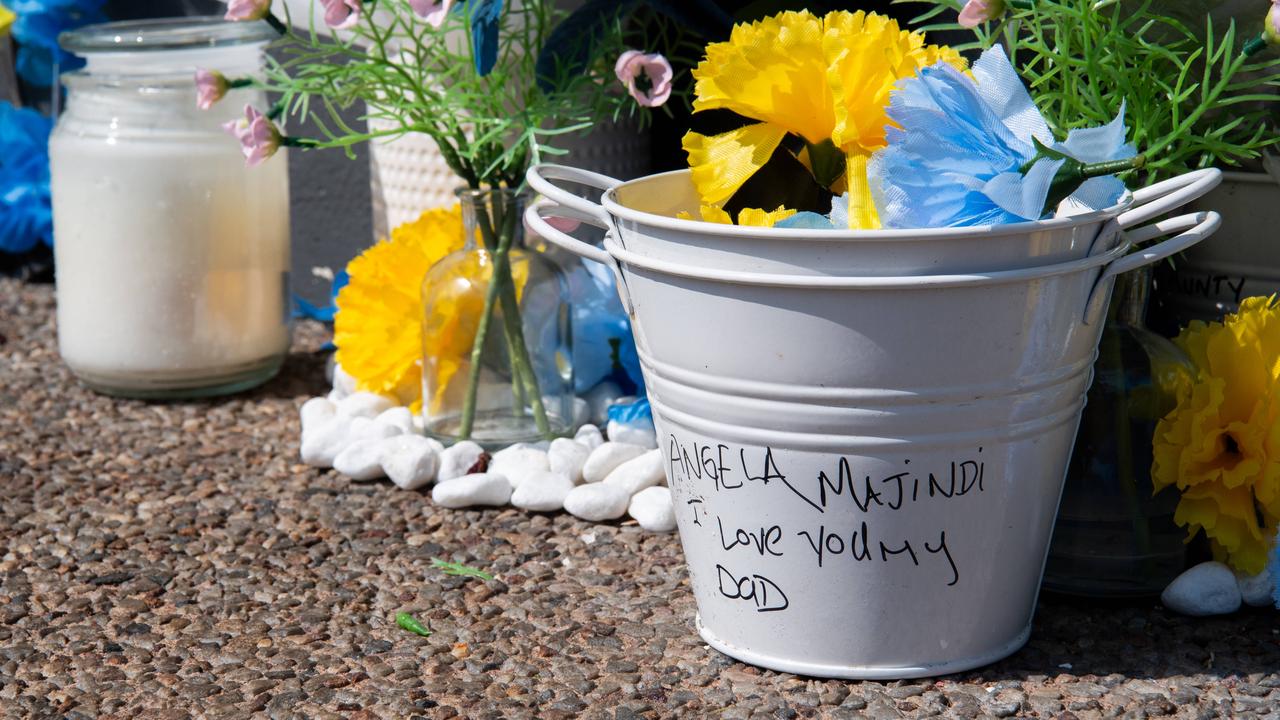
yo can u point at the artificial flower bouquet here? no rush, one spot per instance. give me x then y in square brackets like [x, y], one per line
[494, 84]
[850, 121]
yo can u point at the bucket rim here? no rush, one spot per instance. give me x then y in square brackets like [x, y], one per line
[616, 209]
[629, 259]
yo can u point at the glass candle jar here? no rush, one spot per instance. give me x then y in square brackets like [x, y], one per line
[172, 256]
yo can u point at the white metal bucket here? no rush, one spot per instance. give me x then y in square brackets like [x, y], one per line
[643, 211]
[1243, 262]
[866, 469]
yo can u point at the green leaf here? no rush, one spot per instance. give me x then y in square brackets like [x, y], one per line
[453, 568]
[410, 623]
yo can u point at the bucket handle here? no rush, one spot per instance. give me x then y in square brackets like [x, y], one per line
[1194, 226]
[540, 176]
[1156, 200]
[535, 217]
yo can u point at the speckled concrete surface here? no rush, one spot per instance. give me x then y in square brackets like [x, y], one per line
[175, 560]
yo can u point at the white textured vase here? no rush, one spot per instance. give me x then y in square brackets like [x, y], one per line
[409, 175]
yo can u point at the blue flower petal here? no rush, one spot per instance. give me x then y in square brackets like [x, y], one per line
[1099, 144]
[840, 211]
[1023, 196]
[955, 155]
[635, 412]
[37, 28]
[485, 17]
[25, 214]
[1274, 568]
[809, 221]
[1002, 89]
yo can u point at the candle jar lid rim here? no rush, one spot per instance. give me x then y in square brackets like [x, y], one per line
[187, 33]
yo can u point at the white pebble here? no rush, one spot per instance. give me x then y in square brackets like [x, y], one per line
[468, 490]
[399, 417]
[316, 411]
[566, 457]
[605, 458]
[363, 428]
[1207, 589]
[652, 508]
[590, 436]
[1255, 590]
[458, 460]
[542, 492]
[343, 383]
[638, 473]
[581, 411]
[360, 460]
[639, 433]
[411, 461]
[322, 444]
[597, 502]
[519, 462]
[600, 398]
[364, 404]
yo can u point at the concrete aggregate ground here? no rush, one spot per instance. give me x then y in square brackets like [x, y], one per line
[173, 560]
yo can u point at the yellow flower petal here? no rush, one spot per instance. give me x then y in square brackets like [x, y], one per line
[771, 70]
[866, 55]
[715, 214]
[815, 78]
[1220, 445]
[378, 324]
[722, 163]
[759, 218]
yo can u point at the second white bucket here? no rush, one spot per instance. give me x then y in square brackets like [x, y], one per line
[866, 469]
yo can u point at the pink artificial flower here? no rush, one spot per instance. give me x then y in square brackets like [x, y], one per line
[1272, 28]
[434, 11]
[259, 137]
[211, 86]
[242, 10]
[564, 225]
[341, 14]
[632, 64]
[976, 12]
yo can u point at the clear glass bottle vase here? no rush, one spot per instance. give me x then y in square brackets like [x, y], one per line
[1114, 536]
[497, 347]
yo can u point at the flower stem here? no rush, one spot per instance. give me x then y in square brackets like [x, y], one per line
[497, 225]
[477, 355]
[1253, 45]
[275, 24]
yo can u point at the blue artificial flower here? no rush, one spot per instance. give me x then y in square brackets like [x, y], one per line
[25, 214]
[637, 412]
[305, 309]
[837, 219]
[1273, 567]
[956, 155]
[602, 340]
[37, 28]
[485, 17]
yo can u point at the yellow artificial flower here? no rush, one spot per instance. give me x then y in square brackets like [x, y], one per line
[748, 216]
[1221, 444]
[6, 19]
[818, 79]
[378, 326]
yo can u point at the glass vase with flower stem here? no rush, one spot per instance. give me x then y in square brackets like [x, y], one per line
[1116, 537]
[497, 348]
